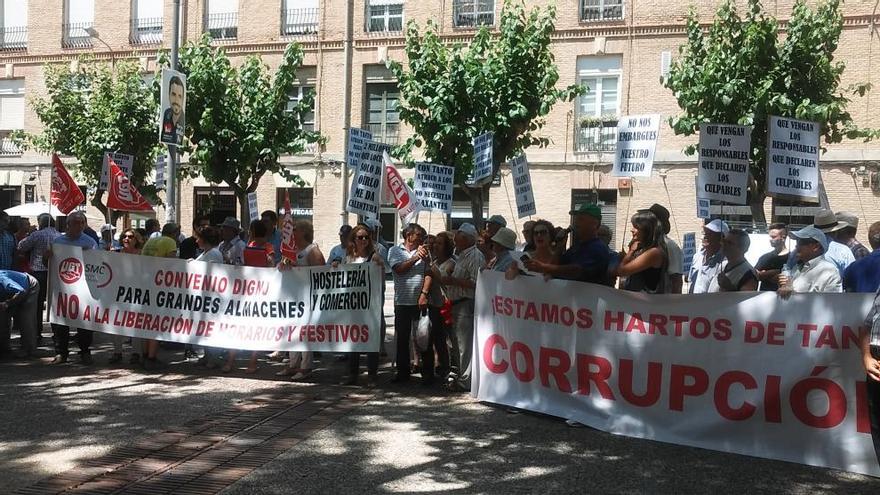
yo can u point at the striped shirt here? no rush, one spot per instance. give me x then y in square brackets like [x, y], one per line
[37, 244]
[467, 265]
[407, 285]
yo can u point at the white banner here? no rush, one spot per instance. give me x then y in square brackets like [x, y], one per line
[746, 373]
[792, 158]
[522, 185]
[123, 161]
[366, 185]
[636, 142]
[209, 304]
[433, 186]
[483, 157]
[724, 162]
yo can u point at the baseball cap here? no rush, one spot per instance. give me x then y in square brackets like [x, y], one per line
[719, 226]
[373, 224]
[812, 233]
[497, 219]
[107, 227]
[468, 229]
[588, 209]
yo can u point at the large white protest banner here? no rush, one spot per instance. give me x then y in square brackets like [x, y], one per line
[433, 187]
[210, 304]
[724, 162]
[636, 142]
[792, 158]
[747, 373]
[123, 161]
[522, 185]
[366, 185]
[483, 157]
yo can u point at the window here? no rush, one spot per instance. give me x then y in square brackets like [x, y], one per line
[307, 77]
[607, 201]
[221, 19]
[13, 25]
[79, 15]
[10, 196]
[601, 10]
[302, 202]
[473, 13]
[299, 17]
[146, 22]
[30, 193]
[216, 202]
[597, 110]
[11, 114]
[384, 16]
[383, 119]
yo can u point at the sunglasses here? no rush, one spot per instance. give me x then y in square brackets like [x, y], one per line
[362, 237]
[128, 236]
[540, 232]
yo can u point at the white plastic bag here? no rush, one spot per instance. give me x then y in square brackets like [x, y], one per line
[421, 332]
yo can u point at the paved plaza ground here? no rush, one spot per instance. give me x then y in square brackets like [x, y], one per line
[185, 429]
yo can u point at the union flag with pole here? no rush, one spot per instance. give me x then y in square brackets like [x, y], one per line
[288, 245]
[123, 195]
[65, 194]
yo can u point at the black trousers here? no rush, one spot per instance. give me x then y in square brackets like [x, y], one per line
[404, 316]
[439, 333]
[43, 278]
[61, 333]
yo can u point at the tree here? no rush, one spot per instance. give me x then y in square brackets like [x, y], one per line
[238, 119]
[503, 82]
[740, 72]
[92, 109]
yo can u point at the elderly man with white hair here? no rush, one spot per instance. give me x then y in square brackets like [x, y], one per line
[461, 289]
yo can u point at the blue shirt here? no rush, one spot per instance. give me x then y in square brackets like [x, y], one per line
[7, 250]
[275, 240]
[593, 257]
[12, 283]
[503, 261]
[83, 241]
[864, 274]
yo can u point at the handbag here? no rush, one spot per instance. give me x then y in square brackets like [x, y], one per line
[421, 332]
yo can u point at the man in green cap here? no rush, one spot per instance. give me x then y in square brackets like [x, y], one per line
[588, 257]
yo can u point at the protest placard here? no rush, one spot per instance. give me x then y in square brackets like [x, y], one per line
[160, 172]
[724, 162]
[483, 158]
[123, 161]
[433, 187]
[356, 140]
[366, 185]
[253, 207]
[522, 185]
[688, 250]
[216, 305]
[792, 158]
[636, 142]
[704, 208]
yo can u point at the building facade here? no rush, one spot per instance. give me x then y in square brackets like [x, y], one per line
[619, 48]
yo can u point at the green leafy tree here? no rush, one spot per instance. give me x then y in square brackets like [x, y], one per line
[503, 82]
[239, 122]
[739, 71]
[91, 109]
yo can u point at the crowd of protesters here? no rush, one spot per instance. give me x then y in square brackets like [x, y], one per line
[436, 275]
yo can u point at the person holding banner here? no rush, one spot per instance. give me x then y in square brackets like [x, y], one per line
[501, 244]
[307, 254]
[812, 273]
[869, 341]
[542, 250]
[273, 235]
[706, 264]
[132, 243]
[737, 274]
[769, 265]
[838, 254]
[360, 249]
[232, 246]
[164, 246]
[75, 236]
[864, 274]
[585, 261]
[339, 251]
[644, 264]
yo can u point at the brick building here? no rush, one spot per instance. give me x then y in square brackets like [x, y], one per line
[620, 48]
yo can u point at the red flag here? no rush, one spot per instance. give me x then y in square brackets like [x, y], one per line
[123, 195]
[66, 195]
[404, 197]
[288, 246]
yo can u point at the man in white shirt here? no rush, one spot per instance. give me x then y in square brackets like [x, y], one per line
[812, 272]
[707, 262]
[232, 246]
[338, 251]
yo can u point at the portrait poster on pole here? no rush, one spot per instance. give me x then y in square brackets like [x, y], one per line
[173, 104]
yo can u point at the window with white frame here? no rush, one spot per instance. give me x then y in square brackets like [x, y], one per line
[601, 10]
[13, 24]
[221, 19]
[597, 110]
[384, 15]
[383, 118]
[11, 113]
[146, 21]
[299, 17]
[473, 13]
[306, 80]
[79, 15]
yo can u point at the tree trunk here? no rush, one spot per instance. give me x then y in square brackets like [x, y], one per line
[757, 207]
[241, 196]
[476, 195]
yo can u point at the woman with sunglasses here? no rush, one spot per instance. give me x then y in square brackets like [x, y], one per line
[644, 264]
[544, 250]
[360, 249]
[132, 242]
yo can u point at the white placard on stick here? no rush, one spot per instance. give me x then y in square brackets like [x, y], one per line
[636, 143]
[366, 185]
[433, 187]
[483, 157]
[522, 185]
[123, 161]
[253, 208]
[793, 158]
[688, 250]
[160, 172]
[356, 140]
[703, 208]
[724, 162]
